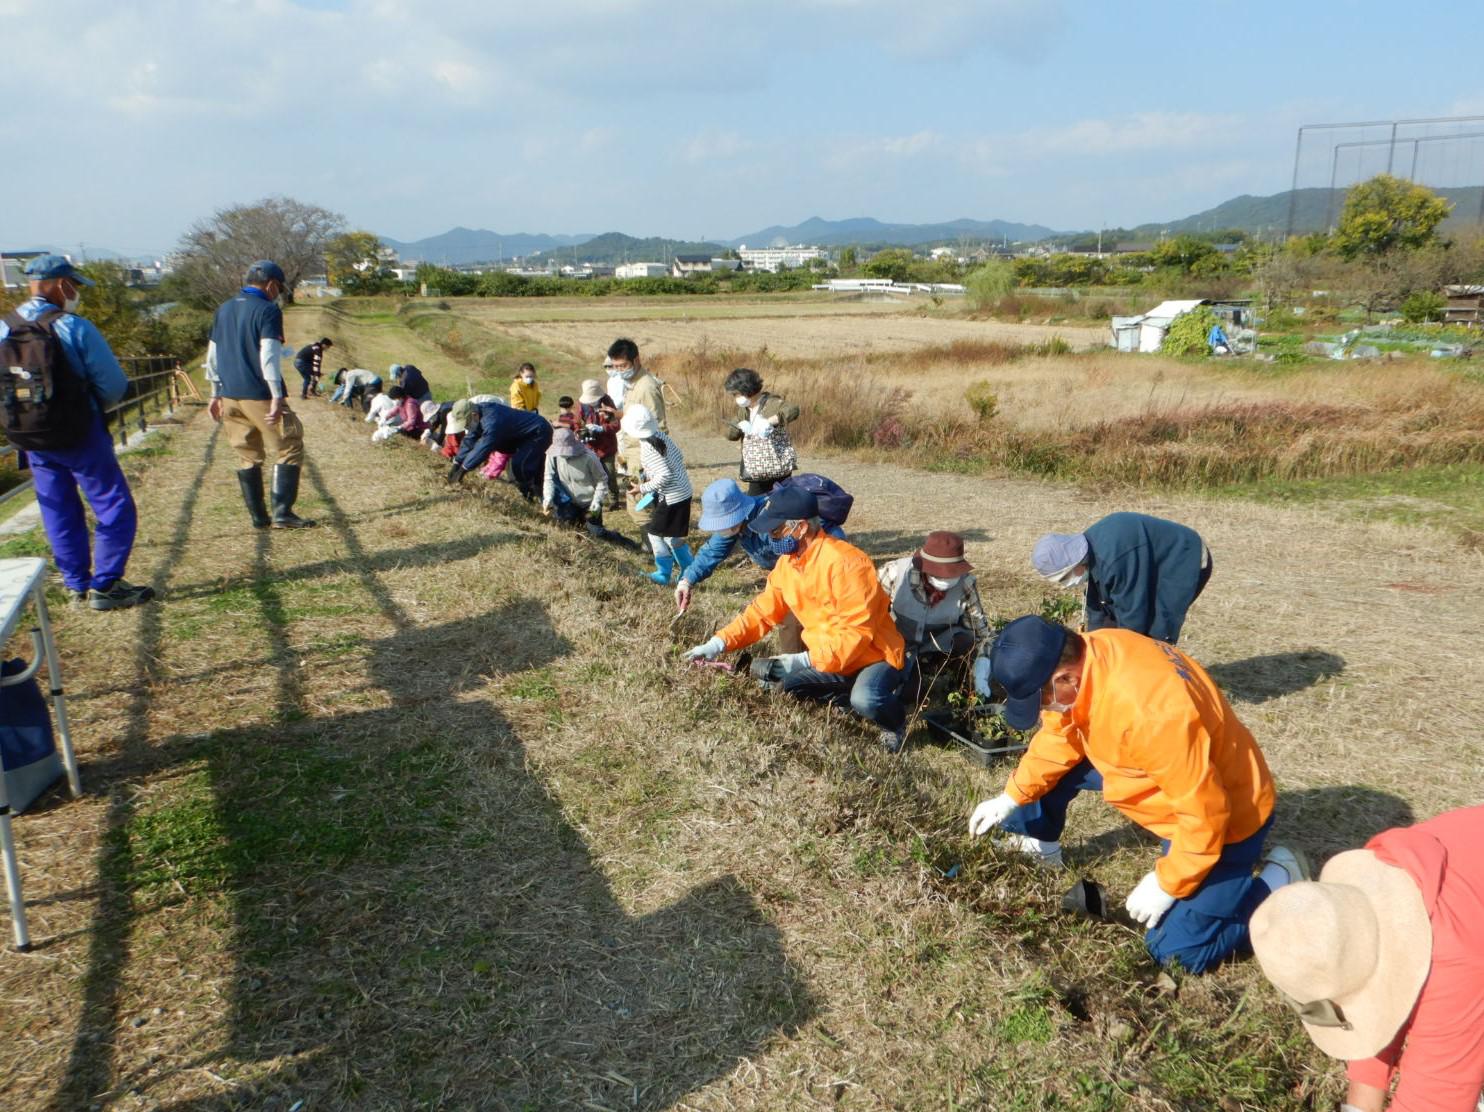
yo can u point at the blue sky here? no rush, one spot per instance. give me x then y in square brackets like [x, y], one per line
[689, 118]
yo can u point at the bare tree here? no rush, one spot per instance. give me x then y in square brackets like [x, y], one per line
[214, 254]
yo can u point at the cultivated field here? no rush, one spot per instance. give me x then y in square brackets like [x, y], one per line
[420, 809]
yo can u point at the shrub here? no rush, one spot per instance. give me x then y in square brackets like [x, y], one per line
[982, 401]
[1422, 307]
[1187, 335]
[989, 283]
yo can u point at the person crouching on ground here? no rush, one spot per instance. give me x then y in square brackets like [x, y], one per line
[662, 476]
[1144, 724]
[574, 485]
[935, 603]
[1383, 960]
[853, 654]
[494, 426]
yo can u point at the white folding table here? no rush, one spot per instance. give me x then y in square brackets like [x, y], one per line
[23, 581]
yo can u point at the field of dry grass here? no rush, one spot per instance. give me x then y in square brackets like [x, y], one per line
[421, 810]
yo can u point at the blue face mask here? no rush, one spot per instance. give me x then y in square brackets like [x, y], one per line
[783, 546]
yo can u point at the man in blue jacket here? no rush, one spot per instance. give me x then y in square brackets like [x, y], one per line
[92, 576]
[247, 395]
[521, 434]
[1142, 573]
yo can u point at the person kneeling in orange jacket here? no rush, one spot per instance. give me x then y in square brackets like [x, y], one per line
[1140, 721]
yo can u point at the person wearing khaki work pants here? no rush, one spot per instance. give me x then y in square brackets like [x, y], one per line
[247, 395]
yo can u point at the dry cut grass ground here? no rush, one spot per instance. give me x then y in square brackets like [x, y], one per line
[421, 810]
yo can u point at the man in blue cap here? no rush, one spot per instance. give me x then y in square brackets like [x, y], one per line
[1143, 724]
[853, 655]
[1142, 573]
[77, 452]
[247, 395]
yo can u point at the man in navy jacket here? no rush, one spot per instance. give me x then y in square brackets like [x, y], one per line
[1142, 573]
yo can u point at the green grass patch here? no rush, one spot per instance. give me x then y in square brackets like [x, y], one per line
[1451, 497]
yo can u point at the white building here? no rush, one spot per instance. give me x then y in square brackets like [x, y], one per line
[774, 259]
[641, 270]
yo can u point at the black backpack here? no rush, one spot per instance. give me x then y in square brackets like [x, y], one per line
[44, 405]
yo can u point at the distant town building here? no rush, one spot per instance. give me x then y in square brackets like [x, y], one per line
[774, 259]
[641, 270]
[684, 266]
[13, 268]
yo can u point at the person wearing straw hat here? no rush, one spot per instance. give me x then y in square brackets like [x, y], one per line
[853, 654]
[599, 416]
[935, 603]
[665, 481]
[1142, 573]
[1142, 723]
[1383, 960]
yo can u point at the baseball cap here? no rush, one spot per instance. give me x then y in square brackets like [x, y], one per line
[1022, 659]
[1056, 554]
[266, 270]
[787, 504]
[43, 267]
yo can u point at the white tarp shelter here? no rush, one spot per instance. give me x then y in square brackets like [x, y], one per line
[1147, 332]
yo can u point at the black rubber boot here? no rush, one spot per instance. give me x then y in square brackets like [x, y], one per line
[250, 479]
[285, 493]
[456, 473]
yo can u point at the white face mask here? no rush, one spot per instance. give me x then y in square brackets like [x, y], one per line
[1070, 581]
[528, 379]
[743, 402]
[942, 584]
[70, 304]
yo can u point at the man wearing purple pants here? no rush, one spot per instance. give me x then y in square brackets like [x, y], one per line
[90, 464]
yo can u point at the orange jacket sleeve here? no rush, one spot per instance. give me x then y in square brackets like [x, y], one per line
[1174, 749]
[761, 615]
[1054, 751]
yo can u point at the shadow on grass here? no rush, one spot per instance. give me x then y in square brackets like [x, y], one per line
[1260, 678]
[1325, 821]
[413, 919]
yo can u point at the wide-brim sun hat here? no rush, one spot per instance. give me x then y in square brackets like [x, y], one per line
[1056, 554]
[592, 392]
[638, 423]
[1350, 952]
[429, 411]
[458, 417]
[564, 442]
[942, 555]
[723, 505]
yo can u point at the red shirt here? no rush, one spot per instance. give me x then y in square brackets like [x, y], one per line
[1440, 1049]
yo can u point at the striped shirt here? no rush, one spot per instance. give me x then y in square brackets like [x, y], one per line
[664, 473]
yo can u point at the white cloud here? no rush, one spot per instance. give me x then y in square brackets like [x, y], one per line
[1141, 132]
[714, 146]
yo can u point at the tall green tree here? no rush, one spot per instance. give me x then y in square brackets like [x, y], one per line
[350, 254]
[1385, 214]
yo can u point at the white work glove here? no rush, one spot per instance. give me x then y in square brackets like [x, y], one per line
[710, 650]
[990, 814]
[1148, 902]
[595, 428]
[745, 427]
[682, 595]
[792, 662]
[762, 429]
[981, 677]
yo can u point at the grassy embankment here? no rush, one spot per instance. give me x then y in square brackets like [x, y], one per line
[418, 809]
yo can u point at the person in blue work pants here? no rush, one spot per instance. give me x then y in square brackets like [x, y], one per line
[521, 434]
[93, 573]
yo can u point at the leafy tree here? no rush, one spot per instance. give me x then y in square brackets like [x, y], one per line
[215, 253]
[1183, 251]
[894, 263]
[352, 254]
[847, 259]
[1387, 213]
[1423, 306]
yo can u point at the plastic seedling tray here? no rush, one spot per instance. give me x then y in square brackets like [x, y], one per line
[961, 726]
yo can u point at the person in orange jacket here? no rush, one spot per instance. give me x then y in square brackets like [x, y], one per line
[1142, 722]
[853, 653]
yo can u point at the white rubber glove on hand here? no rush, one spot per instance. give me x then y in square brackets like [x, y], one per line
[1148, 902]
[792, 662]
[981, 677]
[762, 429]
[990, 814]
[710, 649]
[745, 426]
[682, 596]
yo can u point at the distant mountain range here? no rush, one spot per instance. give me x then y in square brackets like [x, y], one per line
[1313, 210]
[865, 230]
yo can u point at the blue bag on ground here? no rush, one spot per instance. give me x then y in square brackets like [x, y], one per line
[834, 501]
[28, 752]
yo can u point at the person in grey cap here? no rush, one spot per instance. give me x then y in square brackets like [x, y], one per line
[70, 448]
[247, 395]
[1142, 573]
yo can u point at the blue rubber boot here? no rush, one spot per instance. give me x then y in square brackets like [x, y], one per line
[682, 556]
[663, 566]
